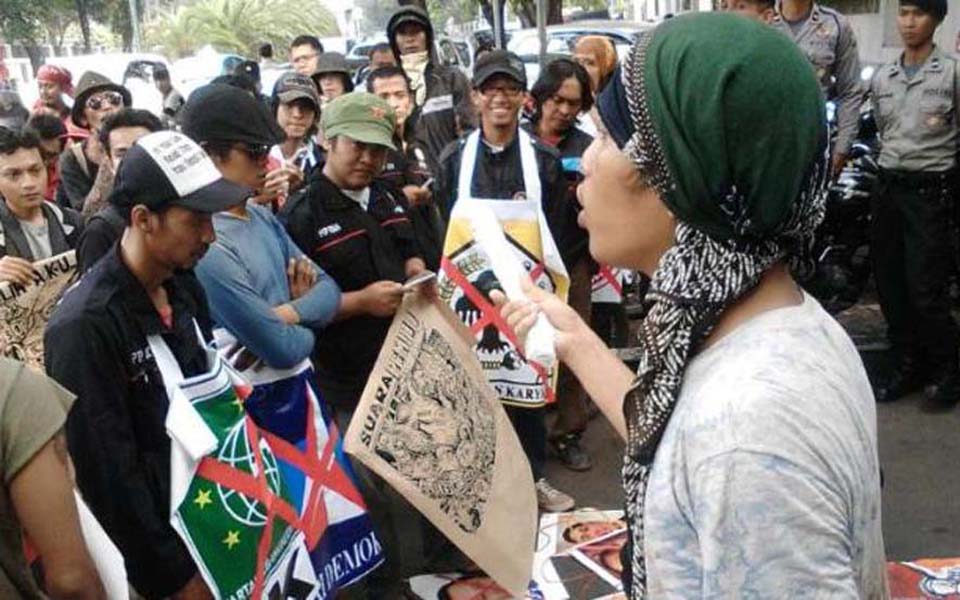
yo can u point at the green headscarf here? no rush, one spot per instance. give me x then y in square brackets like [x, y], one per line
[732, 104]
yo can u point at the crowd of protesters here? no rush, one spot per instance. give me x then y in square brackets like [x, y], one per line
[316, 201]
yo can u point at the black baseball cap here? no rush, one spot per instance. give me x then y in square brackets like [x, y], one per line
[167, 168]
[223, 113]
[499, 62]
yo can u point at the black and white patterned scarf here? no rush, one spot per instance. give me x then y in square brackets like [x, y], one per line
[695, 281]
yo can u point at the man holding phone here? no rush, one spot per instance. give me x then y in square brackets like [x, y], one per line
[353, 227]
[406, 167]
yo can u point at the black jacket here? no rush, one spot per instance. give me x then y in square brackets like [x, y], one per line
[102, 230]
[77, 175]
[447, 111]
[500, 175]
[96, 346]
[356, 248]
[571, 148]
[64, 227]
[407, 166]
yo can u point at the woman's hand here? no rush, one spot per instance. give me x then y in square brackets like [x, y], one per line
[520, 315]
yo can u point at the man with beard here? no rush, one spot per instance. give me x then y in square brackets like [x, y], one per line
[441, 92]
[53, 83]
[97, 345]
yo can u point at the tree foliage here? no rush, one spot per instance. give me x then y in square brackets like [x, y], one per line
[237, 26]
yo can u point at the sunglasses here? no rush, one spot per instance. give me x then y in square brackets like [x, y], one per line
[256, 152]
[100, 101]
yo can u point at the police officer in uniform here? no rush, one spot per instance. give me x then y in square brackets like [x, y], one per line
[917, 98]
[827, 40]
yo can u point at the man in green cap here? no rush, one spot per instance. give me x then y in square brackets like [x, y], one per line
[354, 228]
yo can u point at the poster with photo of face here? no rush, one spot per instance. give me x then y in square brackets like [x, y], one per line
[602, 556]
[468, 586]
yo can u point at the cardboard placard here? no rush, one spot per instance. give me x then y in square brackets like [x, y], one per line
[430, 425]
[25, 310]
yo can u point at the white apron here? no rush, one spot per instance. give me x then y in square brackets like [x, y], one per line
[466, 277]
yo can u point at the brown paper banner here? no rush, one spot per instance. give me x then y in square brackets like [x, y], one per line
[431, 426]
[24, 310]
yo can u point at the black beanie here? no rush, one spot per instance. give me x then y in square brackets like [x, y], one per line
[937, 8]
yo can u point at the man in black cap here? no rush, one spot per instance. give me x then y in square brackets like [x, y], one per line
[237, 131]
[79, 165]
[332, 76]
[441, 92]
[96, 345]
[917, 100]
[500, 84]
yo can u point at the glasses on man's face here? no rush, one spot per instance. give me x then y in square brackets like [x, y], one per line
[299, 60]
[102, 101]
[507, 91]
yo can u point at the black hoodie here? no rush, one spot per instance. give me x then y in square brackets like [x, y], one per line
[448, 109]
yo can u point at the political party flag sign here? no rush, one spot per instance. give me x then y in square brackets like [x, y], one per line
[430, 425]
[256, 507]
[25, 309]
[607, 285]
[466, 280]
[286, 403]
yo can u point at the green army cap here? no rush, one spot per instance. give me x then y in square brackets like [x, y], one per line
[360, 116]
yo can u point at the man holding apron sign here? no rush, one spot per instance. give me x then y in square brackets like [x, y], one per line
[521, 180]
[99, 346]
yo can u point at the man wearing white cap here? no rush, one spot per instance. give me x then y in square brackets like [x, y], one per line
[97, 347]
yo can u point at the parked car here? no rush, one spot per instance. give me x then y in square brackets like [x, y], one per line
[561, 38]
[194, 71]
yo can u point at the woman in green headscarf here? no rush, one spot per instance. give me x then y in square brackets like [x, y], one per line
[751, 465]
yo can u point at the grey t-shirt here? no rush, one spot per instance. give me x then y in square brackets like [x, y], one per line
[766, 483]
[38, 237]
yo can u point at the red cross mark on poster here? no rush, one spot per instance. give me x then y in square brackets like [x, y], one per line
[489, 315]
[611, 279]
[323, 471]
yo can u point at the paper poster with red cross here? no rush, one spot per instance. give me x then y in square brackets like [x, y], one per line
[465, 282]
[272, 511]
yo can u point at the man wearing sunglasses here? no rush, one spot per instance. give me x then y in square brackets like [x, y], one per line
[237, 131]
[96, 98]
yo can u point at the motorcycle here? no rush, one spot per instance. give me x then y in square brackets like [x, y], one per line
[842, 242]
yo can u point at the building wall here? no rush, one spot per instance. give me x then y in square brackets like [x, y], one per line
[877, 36]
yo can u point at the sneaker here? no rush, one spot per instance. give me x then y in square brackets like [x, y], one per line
[943, 394]
[903, 381]
[571, 454]
[550, 499]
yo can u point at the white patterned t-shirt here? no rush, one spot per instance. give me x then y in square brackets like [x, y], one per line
[766, 483]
